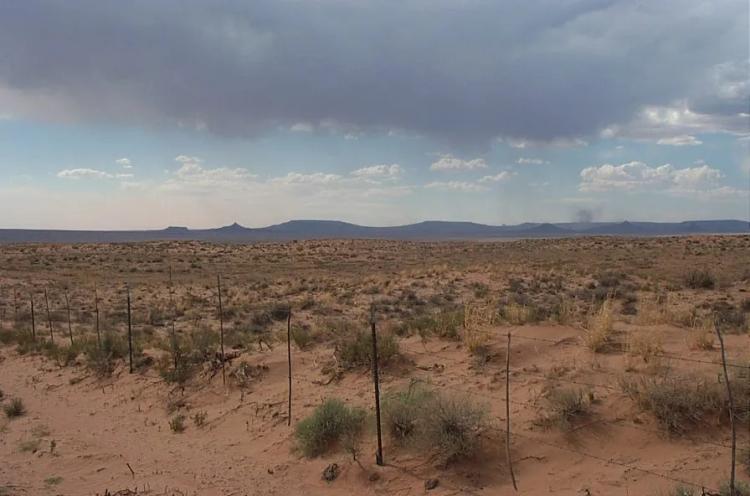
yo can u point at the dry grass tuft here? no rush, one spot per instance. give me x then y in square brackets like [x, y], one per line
[600, 329]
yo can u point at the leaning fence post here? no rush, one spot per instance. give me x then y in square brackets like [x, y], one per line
[70, 328]
[33, 319]
[49, 317]
[507, 415]
[130, 332]
[289, 361]
[375, 379]
[732, 491]
[221, 332]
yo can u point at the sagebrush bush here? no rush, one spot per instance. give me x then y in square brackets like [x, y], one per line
[332, 422]
[15, 408]
[405, 411]
[563, 406]
[302, 337]
[647, 346]
[677, 403]
[355, 350]
[740, 489]
[453, 427]
[177, 424]
[682, 491]
[700, 279]
[101, 359]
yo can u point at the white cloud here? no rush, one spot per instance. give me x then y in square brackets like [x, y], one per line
[451, 163]
[666, 124]
[313, 178]
[680, 140]
[192, 175]
[378, 172]
[638, 176]
[124, 162]
[554, 143]
[185, 159]
[499, 177]
[302, 127]
[464, 186]
[531, 161]
[83, 173]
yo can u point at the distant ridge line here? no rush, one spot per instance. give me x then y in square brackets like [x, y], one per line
[332, 229]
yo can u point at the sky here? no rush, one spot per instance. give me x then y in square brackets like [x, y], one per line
[142, 114]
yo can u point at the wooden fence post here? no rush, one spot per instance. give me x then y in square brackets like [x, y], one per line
[70, 327]
[376, 380]
[33, 319]
[173, 312]
[221, 332]
[732, 488]
[96, 312]
[49, 317]
[507, 415]
[130, 332]
[289, 361]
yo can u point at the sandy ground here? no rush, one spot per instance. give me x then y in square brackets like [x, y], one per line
[91, 432]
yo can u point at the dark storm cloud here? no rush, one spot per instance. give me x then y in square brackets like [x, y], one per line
[463, 70]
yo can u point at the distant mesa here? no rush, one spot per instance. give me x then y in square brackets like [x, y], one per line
[433, 230]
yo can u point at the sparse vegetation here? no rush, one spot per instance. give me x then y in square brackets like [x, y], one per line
[15, 408]
[199, 419]
[405, 411]
[177, 424]
[356, 350]
[598, 336]
[562, 407]
[740, 489]
[700, 279]
[329, 424]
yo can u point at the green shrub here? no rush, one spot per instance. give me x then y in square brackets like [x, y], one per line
[101, 360]
[302, 337]
[740, 489]
[404, 411]
[453, 427]
[563, 406]
[177, 424]
[199, 419]
[332, 422]
[677, 404]
[280, 311]
[15, 408]
[700, 279]
[356, 350]
[683, 491]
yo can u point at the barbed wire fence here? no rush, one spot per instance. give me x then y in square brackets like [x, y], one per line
[14, 304]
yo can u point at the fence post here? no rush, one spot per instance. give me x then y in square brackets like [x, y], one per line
[15, 307]
[130, 332]
[33, 319]
[70, 328]
[732, 491]
[375, 379]
[96, 312]
[49, 317]
[221, 331]
[173, 312]
[507, 415]
[289, 360]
